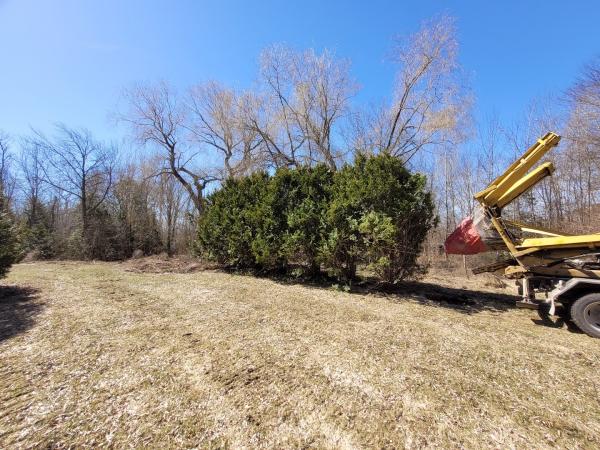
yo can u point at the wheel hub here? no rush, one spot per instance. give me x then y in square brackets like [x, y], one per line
[591, 315]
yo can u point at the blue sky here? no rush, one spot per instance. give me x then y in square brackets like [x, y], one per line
[68, 60]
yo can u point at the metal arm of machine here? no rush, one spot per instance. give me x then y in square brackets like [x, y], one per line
[535, 229]
[524, 184]
[531, 254]
[513, 182]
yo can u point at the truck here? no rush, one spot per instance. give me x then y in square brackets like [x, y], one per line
[561, 268]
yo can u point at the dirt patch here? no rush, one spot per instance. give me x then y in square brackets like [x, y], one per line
[165, 264]
[488, 282]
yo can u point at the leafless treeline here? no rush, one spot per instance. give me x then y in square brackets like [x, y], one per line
[72, 196]
[75, 196]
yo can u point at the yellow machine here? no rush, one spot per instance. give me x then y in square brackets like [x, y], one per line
[565, 267]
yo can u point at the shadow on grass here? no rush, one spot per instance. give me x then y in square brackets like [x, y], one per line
[466, 301]
[560, 320]
[18, 309]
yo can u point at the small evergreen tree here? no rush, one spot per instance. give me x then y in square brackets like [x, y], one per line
[8, 242]
[300, 198]
[234, 227]
[379, 214]
[35, 233]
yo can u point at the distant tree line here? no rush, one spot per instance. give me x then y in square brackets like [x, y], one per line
[68, 196]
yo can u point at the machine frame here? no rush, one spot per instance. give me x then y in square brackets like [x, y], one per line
[564, 267]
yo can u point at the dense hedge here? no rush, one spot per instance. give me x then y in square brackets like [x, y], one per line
[373, 212]
[8, 243]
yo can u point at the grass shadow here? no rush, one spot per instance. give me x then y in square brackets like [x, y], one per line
[466, 301]
[562, 319]
[18, 310]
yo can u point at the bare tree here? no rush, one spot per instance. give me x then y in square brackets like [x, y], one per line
[156, 117]
[77, 166]
[131, 202]
[171, 207]
[7, 180]
[217, 121]
[584, 98]
[32, 174]
[429, 106]
[305, 96]
[168, 198]
[282, 142]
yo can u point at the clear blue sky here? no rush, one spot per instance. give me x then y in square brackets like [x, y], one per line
[68, 60]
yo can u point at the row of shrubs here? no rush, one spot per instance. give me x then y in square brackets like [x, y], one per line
[373, 212]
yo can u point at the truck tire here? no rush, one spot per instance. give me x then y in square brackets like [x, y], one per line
[585, 312]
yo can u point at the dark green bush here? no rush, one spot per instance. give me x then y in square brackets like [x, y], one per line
[379, 214]
[35, 233]
[300, 197]
[37, 241]
[234, 229]
[373, 212]
[8, 243]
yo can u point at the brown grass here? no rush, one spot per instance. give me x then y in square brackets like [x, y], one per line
[93, 355]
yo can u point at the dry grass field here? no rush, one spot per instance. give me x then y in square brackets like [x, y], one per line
[97, 355]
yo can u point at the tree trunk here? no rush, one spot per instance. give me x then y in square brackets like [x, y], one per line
[84, 218]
